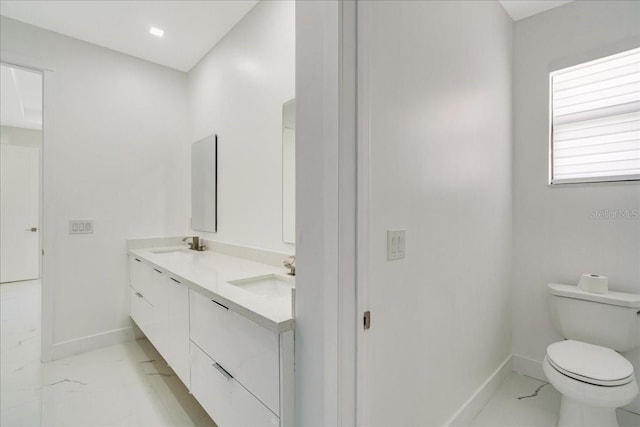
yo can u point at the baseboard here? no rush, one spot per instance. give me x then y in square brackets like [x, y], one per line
[92, 342]
[529, 367]
[479, 399]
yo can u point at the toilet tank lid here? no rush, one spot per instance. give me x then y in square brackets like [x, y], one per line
[621, 299]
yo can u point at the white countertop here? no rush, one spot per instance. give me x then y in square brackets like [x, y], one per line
[209, 272]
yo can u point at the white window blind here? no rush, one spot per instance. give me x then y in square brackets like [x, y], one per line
[595, 120]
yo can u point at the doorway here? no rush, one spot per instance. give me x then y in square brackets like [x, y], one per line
[21, 112]
[20, 174]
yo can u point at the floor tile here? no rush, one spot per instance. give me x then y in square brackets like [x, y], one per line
[20, 368]
[523, 401]
[127, 384]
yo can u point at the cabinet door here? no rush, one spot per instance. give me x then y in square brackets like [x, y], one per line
[248, 351]
[141, 311]
[160, 292]
[227, 402]
[140, 277]
[179, 329]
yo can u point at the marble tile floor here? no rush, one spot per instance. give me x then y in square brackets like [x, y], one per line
[20, 367]
[126, 384]
[129, 384]
[523, 401]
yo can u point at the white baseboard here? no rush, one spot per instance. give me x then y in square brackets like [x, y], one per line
[92, 342]
[479, 399]
[529, 367]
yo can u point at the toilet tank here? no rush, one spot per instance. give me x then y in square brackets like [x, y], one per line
[610, 320]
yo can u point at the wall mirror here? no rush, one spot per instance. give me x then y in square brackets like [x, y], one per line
[204, 183]
[289, 171]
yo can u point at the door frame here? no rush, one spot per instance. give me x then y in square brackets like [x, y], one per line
[348, 310]
[363, 205]
[46, 174]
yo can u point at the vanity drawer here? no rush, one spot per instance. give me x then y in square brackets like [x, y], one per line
[141, 312]
[225, 400]
[249, 352]
[141, 277]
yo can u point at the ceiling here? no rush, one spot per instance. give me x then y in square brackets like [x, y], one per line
[520, 9]
[191, 28]
[20, 98]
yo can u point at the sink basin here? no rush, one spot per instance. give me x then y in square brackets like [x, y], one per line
[271, 285]
[166, 250]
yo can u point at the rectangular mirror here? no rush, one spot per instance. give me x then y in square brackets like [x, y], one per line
[204, 182]
[289, 171]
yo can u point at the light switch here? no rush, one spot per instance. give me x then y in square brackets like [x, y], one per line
[83, 226]
[396, 243]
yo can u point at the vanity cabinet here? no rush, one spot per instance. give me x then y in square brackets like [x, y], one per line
[140, 311]
[240, 368]
[162, 313]
[178, 323]
[140, 285]
[141, 277]
[223, 397]
[249, 352]
[160, 302]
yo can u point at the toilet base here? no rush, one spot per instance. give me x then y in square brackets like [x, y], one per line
[585, 404]
[576, 414]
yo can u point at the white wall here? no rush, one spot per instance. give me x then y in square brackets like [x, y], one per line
[115, 151]
[556, 238]
[237, 91]
[437, 109]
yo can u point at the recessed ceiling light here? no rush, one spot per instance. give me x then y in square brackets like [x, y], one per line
[156, 31]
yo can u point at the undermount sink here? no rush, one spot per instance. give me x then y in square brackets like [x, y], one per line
[167, 250]
[270, 285]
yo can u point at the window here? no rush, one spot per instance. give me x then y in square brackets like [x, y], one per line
[595, 120]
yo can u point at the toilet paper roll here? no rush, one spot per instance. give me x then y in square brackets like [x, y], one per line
[594, 283]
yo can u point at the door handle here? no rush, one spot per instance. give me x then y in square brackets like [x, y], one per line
[32, 229]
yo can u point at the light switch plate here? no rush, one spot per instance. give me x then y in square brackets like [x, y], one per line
[396, 243]
[81, 226]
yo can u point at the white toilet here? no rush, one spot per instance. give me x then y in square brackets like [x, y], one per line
[593, 379]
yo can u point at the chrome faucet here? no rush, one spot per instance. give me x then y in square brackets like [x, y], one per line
[290, 263]
[195, 243]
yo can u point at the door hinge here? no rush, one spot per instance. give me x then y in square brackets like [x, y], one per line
[367, 319]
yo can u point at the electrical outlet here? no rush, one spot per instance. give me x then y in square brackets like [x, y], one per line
[81, 226]
[396, 243]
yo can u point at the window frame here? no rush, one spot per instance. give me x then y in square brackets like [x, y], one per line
[633, 178]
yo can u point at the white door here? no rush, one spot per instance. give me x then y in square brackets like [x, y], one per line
[19, 213]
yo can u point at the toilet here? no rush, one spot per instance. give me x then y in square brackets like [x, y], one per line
[587, 368]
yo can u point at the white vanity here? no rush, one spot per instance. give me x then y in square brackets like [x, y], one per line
[225, 325]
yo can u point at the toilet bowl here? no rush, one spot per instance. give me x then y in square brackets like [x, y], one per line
[593, 381]
[587, 368]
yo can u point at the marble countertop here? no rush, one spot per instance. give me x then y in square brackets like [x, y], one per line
[209, 273]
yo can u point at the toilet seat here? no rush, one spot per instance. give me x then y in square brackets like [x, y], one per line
[590, 363]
